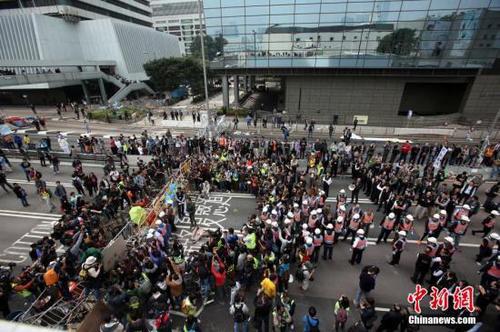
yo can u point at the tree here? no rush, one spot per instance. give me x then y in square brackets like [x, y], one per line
[212, 46]
[399, 42]
[169, 73]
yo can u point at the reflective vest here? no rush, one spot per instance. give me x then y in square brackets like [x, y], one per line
[367, 219]
[494, 271]
[361, 244]
[354, 224]
[309, 249]
[250, 241]
[489, 222]
[305, 211]
[317, 240]
[312, 222]
[432, 225]
[338, 227]
[460, 228]
[328, 237]
[406, 225]
[388, 224]
[442, 221]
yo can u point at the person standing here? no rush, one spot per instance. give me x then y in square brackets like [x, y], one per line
[21, 194]
[331, 130]
[239, 311]
[310, 321]
[459, 228]
[387, 227]
[488, 224]
[422, 266]
[358, 247]
[60, 192]
[341, 312]
[26, 166]
[262, 305]
[367, 280]
[4, 182]
[355, 124]
[398, 247]
[191, 209]
[391, 320]
[328, 240]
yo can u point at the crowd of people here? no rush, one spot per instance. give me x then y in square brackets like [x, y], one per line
[293, 229]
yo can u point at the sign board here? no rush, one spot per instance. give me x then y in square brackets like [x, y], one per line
[362, 119]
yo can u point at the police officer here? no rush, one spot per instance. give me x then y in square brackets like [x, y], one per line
[488, 224]
[431, 227]
[387, 227]
[317, 242]
[486, 247]
[459, 228]
[491, 271]
[354, 224]
[328, 239]
[358, 247]
[397, 248]
[338, 228]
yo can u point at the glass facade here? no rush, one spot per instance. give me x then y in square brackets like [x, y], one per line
[355, 33]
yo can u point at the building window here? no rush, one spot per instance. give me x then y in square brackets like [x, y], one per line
[481, 45]
[485, 36]
[493, 36]
[331, 38]
[297, 40]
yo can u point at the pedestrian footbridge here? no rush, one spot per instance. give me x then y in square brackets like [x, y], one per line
[20, 75]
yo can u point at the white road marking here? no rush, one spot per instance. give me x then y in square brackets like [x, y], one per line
[62, 163]
[49, 183]
[27, 216]
[33, 213]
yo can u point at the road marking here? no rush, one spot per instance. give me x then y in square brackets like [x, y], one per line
[232, 195]
[48, 183]
[33, 213]
[27, 216]
[62, 163]
[382, 309]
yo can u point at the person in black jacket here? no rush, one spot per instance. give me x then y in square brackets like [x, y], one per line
[366, 282]
[4, 182]
[422, 266]
[262, 312]
[391, 320]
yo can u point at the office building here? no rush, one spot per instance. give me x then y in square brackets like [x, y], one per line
[179, 18]
[372, 58]
[132, 11]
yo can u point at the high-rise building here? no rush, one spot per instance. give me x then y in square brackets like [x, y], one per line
[376, 58]
[133, 11]
[179, 18]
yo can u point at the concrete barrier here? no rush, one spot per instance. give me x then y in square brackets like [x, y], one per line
[423, 131]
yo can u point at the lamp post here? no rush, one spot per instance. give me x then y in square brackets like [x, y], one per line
[209, 115]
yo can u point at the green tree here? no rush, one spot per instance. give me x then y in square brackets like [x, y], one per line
[168, 73]
[399, 42]
[212, 46]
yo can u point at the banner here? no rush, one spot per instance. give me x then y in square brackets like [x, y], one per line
[439, 158]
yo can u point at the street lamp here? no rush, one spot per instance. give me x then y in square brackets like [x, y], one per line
[209, 116]
[254, 48]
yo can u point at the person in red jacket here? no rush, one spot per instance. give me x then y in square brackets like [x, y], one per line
[405, 149]
[219, 273]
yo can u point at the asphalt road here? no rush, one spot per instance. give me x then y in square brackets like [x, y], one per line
[20, 226]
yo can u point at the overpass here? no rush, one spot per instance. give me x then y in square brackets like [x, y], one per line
[40, 74]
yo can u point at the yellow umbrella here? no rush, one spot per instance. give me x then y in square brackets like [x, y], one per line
[137, 215]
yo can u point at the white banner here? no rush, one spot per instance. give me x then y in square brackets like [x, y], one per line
[439, 158]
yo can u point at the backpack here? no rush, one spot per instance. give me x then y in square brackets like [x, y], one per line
[239, 315]
[341, 315]
[299, 275]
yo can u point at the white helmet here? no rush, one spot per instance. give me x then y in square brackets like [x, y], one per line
[317, 231]
[288, 221]
[330, 226]
[295, 205]
[443, 212]
[360, 232]
[432, 240]
[268, 221]
[435, 216]
[274, 212]
[289, 215]
[402, 233]
[494, 212]
[449, 239]
[265, 209]
[355, 216]
[304, 202]
[391, 215]
[340, 219]
[320, 210]
[304, 226]
[342, 191]
[274, 224]
[342, 208]
[309, 240]
[495, 236]
[158, 222]
[409, 217]
[313, 213]
[162, 214]
[466, 206]
[464, 218]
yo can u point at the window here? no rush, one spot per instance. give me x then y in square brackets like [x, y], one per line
[331, 38]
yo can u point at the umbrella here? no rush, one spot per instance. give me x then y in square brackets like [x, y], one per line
[137, 215]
